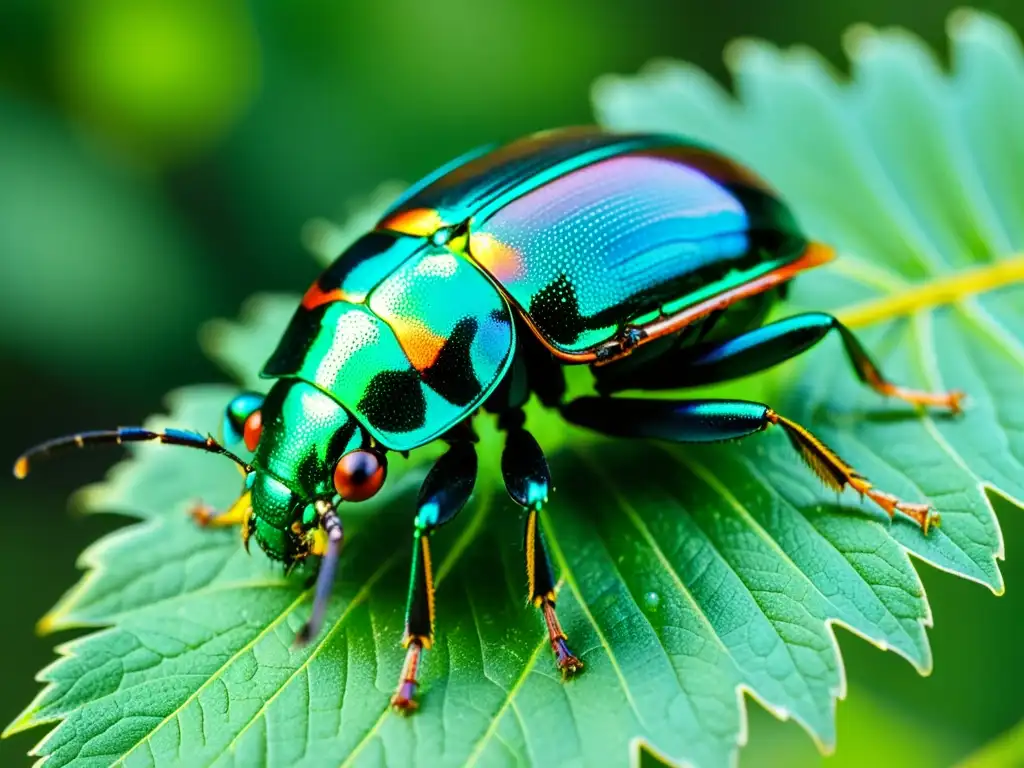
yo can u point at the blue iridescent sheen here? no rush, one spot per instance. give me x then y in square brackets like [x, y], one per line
[594, 249]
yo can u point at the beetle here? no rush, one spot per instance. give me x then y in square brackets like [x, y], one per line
[649, 258]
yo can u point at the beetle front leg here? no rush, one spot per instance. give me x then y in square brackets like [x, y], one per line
[757, 350]
[528, 479]
[239, 513]
[444, 493]
[708, 421]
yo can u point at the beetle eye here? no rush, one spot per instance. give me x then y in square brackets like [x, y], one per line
[359, 475]
[237, 414]
[253, 430]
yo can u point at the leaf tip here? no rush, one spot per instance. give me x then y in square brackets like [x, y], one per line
[737, 52]
[51, 622]
[643, 754]
[21, 724]
[858, 39]
[970, 22]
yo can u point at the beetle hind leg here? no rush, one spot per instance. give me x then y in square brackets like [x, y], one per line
[708, 421]
[527, 480]
[757, 350]
[837, 474]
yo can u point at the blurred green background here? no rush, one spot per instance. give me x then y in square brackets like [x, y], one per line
[158, 160]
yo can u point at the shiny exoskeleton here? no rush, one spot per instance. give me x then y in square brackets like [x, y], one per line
[646, 257]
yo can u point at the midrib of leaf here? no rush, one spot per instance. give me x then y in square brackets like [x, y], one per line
[941, 290]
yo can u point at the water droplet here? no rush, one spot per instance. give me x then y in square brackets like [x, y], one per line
[651, 601]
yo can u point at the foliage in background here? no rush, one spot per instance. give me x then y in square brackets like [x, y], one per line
[747, 578]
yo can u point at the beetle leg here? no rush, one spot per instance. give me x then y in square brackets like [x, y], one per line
[239, 513]
[707, 421]
[527, 479]
[444, 493]
[760, 349]
[206, 517]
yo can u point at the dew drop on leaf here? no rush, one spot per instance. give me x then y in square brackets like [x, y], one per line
[651, 601]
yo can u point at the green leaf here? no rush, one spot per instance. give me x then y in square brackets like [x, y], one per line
[689, 577]
[1007, 749]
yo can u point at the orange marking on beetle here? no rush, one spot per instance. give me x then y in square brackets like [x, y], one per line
[21, 468]
[501, 261]
[421, 345]
[420, 222]
[317, 296]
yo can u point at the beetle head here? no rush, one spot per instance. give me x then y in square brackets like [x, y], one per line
[307, 449]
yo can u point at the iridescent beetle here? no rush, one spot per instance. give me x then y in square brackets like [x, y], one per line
[646, 257]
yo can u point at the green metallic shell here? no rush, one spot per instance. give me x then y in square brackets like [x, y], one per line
[430, 342]
[485, 181]
[588, 232]
[584, 232]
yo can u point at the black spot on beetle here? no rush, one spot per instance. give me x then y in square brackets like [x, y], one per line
[294, 345]
[451, 374]
[555, 309]
[394, 401]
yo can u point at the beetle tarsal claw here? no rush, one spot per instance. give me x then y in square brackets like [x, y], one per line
[567, 661]
[404, 700]
[922, 514]
[201, 513]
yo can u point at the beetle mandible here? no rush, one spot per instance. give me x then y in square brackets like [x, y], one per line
[648, 258]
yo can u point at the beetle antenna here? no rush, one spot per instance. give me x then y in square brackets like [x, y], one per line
[124, 435]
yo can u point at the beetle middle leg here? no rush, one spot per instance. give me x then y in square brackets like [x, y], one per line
[707, 421]
[757, 350]
[442, 496]
[527, 479]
